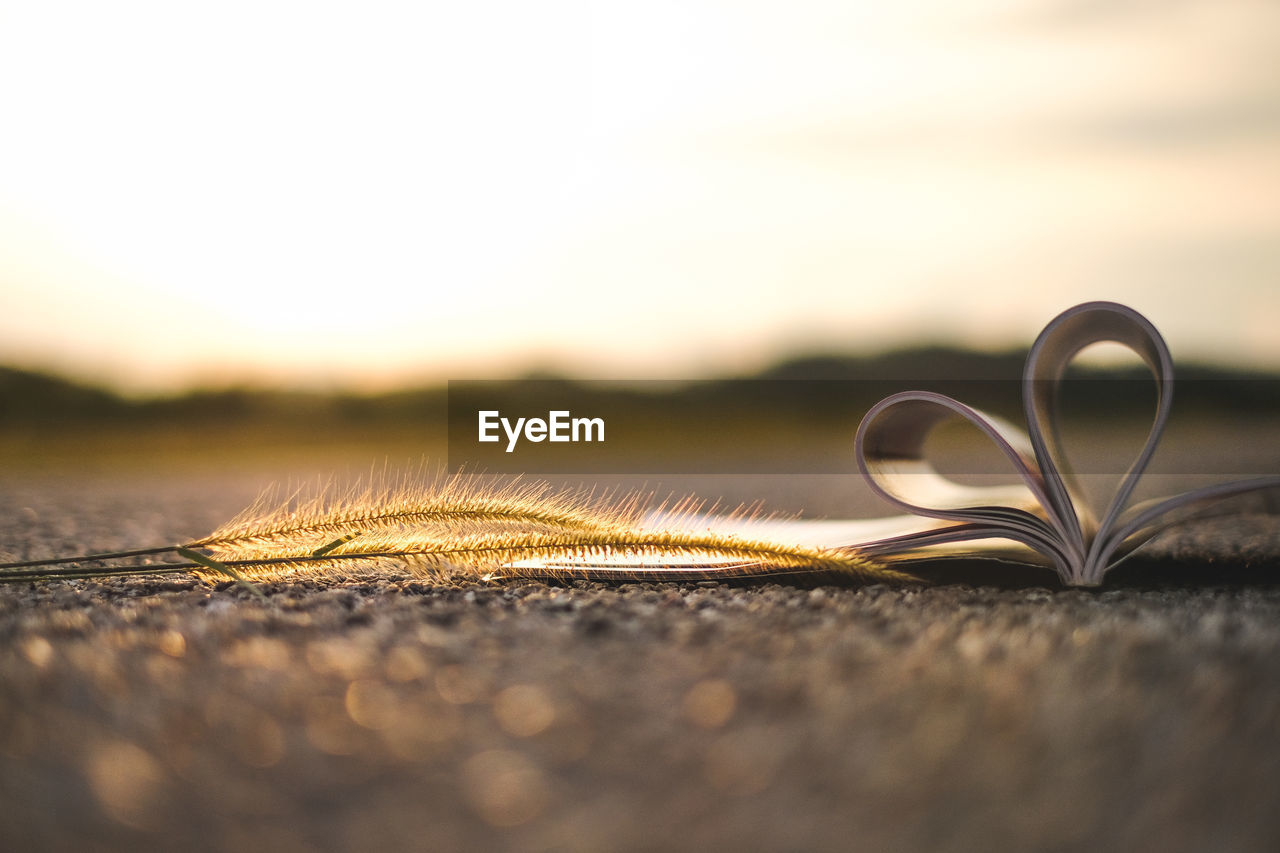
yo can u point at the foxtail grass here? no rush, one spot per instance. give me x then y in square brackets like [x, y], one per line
[460, 527]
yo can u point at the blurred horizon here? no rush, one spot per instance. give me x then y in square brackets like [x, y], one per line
[281, 195]
[796, 417]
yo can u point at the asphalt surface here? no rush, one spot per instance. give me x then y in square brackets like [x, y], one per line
[166, 713]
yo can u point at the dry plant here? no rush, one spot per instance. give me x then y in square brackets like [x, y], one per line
[460, 526]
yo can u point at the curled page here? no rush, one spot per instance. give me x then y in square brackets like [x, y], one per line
[890, 448]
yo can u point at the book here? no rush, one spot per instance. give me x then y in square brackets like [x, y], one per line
[1042, 520]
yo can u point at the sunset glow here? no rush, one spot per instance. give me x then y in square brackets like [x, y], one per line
[386, 193]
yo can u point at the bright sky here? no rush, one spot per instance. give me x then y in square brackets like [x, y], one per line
[382, 192]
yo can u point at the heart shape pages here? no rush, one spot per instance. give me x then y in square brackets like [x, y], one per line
[1046, 513]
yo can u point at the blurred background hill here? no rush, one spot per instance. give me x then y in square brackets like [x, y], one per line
[814, 403]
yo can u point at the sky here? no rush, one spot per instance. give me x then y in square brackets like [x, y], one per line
[374, 194]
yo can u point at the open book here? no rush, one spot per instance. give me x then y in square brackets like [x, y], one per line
[1040, 520]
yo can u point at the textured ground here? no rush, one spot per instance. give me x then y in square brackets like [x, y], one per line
[168, 714]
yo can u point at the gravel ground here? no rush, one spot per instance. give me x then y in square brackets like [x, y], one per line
[397, 714]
